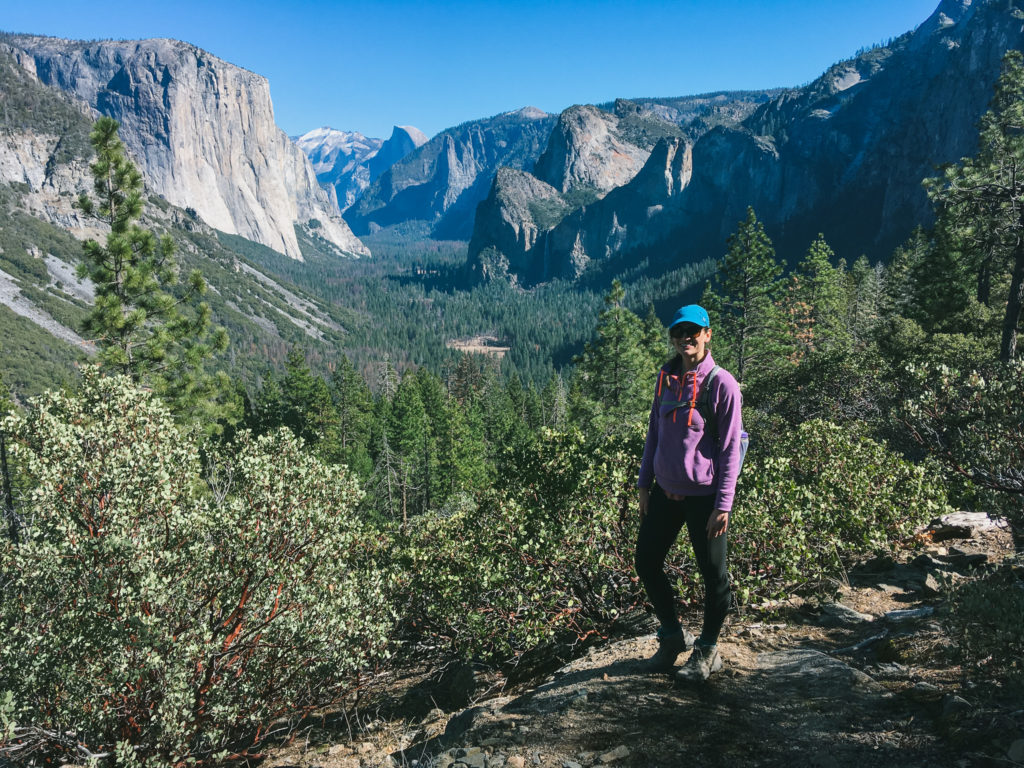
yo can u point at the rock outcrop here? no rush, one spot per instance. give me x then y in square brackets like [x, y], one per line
[549, 224]
[404, 139]
[586, 151]
[438, 185]
[844, 155]
[518, 208]
[202, 132]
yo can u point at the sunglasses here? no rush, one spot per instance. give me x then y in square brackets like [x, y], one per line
[685, 331]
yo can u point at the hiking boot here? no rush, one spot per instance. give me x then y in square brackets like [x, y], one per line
[702, 662]
[669, 647]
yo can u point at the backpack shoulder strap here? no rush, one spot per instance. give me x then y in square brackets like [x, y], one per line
[704, 402]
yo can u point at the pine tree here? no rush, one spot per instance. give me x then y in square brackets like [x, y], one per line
[308, 411]
[142, 329]
[816, 302]
[614, 371]
[979, 201]
[353, 408]
[555, 403]
[748, 316]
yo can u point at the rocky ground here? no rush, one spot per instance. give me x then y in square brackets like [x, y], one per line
[868, 680]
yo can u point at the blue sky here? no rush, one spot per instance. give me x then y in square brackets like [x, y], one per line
[366, 66]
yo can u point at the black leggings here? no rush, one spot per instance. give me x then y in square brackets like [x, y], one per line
[658, 533]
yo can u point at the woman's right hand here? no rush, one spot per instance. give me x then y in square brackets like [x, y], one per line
[645, 497]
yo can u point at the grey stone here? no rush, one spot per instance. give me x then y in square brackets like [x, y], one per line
[1016, 751]
[837, 613]
[619, 753]
[955, 706]
[909, 614]
[926, 562]
[217, 149]
[932, 586]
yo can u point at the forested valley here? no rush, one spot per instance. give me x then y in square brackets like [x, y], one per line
[196, 560]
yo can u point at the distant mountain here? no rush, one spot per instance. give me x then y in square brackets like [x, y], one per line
[844, 155]
[201, 131]
[437, 187]
[346, 162]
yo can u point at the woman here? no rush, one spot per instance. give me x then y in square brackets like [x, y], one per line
[688, 476]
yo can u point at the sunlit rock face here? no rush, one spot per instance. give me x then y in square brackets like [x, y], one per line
[202, 132]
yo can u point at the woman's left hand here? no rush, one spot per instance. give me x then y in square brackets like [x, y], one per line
[718, 523]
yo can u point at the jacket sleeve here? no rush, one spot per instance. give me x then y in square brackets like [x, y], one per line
[728, 411]
[646, 478]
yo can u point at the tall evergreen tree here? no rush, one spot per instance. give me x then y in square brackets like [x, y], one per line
[353, 408]
[980, 200]
[141, 328]
[614, 372]
[817, 301]
[308, 411]
[748, 317]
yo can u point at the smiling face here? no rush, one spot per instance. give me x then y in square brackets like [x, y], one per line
[690, 341]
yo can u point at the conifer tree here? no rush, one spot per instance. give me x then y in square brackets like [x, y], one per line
[141, 328]
[353, 408]
[307, 408]
[614, 372]
[555, 403]
[980, 200]
[816, 302]
[748, 318]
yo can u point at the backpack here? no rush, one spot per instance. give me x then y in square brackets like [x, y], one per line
[710, 423]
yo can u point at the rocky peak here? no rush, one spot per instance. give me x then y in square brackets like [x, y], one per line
[587, 150]
[202, 132]
[404, 139]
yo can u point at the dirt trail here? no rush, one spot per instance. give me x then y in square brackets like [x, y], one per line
[868, 681]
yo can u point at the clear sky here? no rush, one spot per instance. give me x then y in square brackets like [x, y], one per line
[365, 66]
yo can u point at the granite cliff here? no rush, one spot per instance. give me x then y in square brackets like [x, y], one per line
[844, 155]
[202, 132]
[437, 187]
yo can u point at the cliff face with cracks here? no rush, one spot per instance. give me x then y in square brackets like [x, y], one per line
[844, 155]
[202, 132]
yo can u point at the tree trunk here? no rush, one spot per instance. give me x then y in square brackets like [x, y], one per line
[12, 521]
[1008, 348]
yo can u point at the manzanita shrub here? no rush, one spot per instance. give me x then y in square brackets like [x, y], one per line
[548, 554]
[824, 496]
[972, 421]
[151, 622]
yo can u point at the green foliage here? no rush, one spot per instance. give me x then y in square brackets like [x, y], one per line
[971, 420]
[615, 370]
[822, 496]
[547, 212]
[750, 338]
[145, 616]
[545, 556]
[139, 326]
[978, 202]
[816, 302]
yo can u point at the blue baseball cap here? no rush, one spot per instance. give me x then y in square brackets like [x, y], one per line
[691, 313]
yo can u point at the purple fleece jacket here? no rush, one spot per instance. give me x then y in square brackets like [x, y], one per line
[678, 452]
